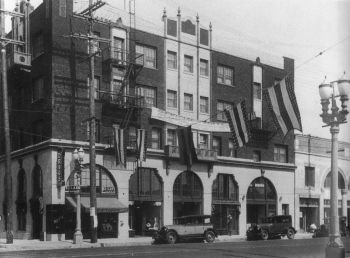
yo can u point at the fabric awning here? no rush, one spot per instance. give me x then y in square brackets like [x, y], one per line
[178, 120]
[104, 204]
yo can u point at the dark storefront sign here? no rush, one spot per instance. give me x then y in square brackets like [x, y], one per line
[309, 202]
[60, 167]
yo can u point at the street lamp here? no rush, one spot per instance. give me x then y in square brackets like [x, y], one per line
[335, 247]
[78, 156]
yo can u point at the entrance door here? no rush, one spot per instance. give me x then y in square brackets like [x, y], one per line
[107, 225]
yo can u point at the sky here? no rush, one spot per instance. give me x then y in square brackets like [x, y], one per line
[314, 33]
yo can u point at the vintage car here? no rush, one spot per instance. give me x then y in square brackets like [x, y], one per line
[272, 227]
[323, 230]
[187, 227]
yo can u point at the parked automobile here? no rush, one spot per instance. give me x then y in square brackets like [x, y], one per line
[323, 230]
[271, 227]
[187, 227]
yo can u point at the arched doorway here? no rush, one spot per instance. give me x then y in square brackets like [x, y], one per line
[108, 205]
[327, 202]
[225, 206]
[21, 202]
[36, 203]
[261, 200]
[146, 201]
[187, 195]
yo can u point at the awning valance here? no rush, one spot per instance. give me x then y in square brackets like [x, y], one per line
[104, 204]
[185, 121]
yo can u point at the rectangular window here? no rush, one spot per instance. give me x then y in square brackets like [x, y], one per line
[149, 56]
[256, 156]
[97, 45]
[203, 141]
[220, 107]
[38, 89]
[231, 148]
[188, 102]
[204, 68]
[171, 137]
[118, 48]
[97, 131]
[225, 75]
[280, 153]
[97, 87]
[149, 95]
[310, 176]
[132, 137]
[172, 98]
[62, 8]
[156, 138]
[217, 145]
[172, 60]
[188, 64]
[204, 105]
[257, 90]
[38, 45]
[285, 209]
[116, 88]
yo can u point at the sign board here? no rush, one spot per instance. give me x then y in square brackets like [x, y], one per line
[60, 167]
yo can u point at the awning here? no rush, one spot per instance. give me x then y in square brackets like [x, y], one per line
[104, 204]
[185, 121]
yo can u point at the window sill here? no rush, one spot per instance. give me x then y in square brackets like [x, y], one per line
[224, 84]
[172, 69]
[204, 76]
[151, 68]
[204, 113]
[171, 108]
[188, 73]
[188, 111]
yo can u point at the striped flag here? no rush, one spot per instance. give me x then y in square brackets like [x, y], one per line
[282, 102]
[238, 122]
[186, 146]
[141, 144]
[119, 146]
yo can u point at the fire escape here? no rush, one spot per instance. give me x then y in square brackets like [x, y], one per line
[121, 66]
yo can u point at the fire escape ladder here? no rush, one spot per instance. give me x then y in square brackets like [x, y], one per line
[127, 117]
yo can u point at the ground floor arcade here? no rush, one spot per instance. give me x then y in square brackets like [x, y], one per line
[139, 199]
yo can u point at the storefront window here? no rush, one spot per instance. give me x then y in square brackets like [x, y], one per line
[188, 185]
[105, 184]
[145, 183]
[341, 183]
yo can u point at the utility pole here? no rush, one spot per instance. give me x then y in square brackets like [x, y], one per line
[8, 178]
[91, 38]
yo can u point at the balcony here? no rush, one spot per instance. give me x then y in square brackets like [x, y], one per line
[121, 58]
[19, 59]
[121, 101]
[204, 155]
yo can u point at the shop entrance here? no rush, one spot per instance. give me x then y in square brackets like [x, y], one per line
[146, 201]
[225, 205]
[261, 200]
[188, 195]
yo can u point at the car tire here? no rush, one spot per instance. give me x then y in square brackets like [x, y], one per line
[209, 236]
[290, 233]
[264, 234]
[171, 237]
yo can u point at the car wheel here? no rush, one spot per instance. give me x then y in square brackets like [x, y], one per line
[264, 234]
[171, 237]
[290, 233]
[209, 236]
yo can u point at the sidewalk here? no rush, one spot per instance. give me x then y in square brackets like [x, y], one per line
[22, 245]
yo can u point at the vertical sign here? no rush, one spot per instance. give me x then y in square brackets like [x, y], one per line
[60, 167]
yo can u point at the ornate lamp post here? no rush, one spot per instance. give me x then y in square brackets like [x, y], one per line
[78, 156]
[334, 118]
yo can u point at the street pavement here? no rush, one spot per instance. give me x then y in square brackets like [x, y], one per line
[301, 247]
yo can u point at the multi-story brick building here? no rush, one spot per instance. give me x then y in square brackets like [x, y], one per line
[313, 180]
[149, 81]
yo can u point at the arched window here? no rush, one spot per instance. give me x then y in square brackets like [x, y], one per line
[37, 181]
[105, 183]
[21, 202]
[188, 185]
[341, 183]
[145, 184]
[261, 189]
[225, 188]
